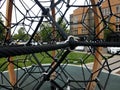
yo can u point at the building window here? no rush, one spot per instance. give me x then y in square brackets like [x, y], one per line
[84, 31]
[75, 19]
[117, 19]
[118, 9]
[118, 27]
[74, 32]
[107, 10]
[104, 12]
[83, 16]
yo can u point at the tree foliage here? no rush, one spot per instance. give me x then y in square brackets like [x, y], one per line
[46, 30]
[21, 35]
[2, 30]
[108, 31]
[62, 24]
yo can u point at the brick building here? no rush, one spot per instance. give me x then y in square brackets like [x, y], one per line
[82, 19]
[115, 8]
[79, 20]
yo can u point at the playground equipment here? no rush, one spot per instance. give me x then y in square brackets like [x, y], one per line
[46, 64]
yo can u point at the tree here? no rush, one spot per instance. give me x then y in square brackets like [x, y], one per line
[37, 37]
[46, 30]
[21, 35]
[62, 24]
[108, 31]
[2, 30]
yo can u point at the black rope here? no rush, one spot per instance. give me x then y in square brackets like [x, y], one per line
[7, 51]
[43, 15]
[47, 76]
[21, 50]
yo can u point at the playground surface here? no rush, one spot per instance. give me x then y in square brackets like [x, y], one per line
[28, 80]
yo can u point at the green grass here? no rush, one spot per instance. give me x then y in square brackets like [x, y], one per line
[3, 64]
[79, 58]
[28, 60]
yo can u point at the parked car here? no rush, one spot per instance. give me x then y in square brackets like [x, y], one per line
[79, 48]
[113, 50]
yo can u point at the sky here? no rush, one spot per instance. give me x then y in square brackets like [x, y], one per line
[34, 10]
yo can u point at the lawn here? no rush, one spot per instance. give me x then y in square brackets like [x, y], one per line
[44, 58]
[80, 58]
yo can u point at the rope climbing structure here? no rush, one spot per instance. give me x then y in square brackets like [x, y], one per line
[39, 40]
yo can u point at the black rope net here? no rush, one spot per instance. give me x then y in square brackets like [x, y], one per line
[42, 39]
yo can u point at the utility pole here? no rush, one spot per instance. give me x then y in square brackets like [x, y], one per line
[11, 71]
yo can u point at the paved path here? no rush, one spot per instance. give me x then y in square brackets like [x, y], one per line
[114, 64]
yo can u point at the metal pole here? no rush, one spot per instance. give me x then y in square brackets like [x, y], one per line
[98, 60]
[11, 71]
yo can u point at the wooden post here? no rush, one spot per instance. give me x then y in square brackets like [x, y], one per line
[53, 27]
[53, 75]
[96, 65]
[11, 71]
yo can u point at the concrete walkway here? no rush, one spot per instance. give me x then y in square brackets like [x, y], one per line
[114, 64]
